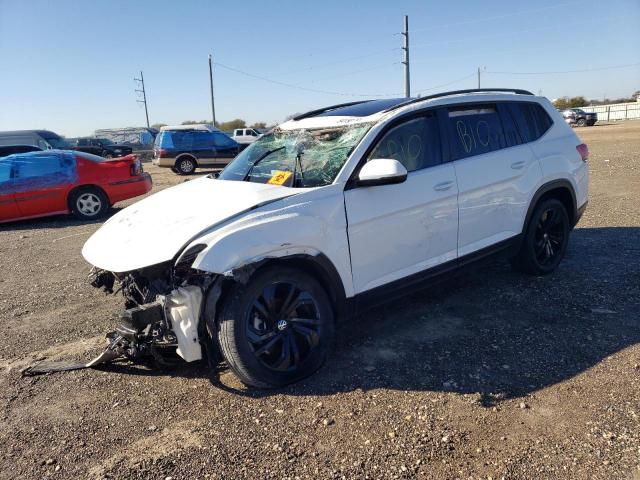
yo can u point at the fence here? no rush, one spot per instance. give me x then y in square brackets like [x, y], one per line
[615, 111]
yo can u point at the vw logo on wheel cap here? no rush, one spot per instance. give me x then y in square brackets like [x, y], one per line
[282, 324]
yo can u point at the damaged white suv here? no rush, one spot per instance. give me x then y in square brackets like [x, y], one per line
[331, 212]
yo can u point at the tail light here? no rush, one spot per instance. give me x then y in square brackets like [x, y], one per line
[161, 153]
[583, 150]
[136, 167]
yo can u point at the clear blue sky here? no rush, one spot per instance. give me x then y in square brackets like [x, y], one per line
[69, 65]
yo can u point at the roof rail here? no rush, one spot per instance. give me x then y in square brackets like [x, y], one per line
[458, 92]
[313, 113]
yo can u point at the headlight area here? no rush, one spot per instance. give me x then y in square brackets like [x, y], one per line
[162, 310]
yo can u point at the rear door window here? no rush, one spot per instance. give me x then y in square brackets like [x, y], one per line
[474, 130]
[202, 140]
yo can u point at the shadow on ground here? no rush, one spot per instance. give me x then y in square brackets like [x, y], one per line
[493, 331]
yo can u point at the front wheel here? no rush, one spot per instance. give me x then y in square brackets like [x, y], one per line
[276, 329]
[582, 122]
[545, 239]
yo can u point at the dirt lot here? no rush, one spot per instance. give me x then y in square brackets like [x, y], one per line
[493, 374]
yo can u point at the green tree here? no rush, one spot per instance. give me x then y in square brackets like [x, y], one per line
[573, 102]
[259, 125]
[232, 124]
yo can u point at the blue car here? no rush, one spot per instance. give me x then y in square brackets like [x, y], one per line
[184, 148]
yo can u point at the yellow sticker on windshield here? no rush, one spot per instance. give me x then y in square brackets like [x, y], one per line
[279, 177]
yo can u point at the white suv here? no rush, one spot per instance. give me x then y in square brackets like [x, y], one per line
[334, 211]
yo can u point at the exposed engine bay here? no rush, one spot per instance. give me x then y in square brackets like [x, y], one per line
[161, 320]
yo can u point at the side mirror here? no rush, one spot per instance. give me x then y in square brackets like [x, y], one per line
[381, 171]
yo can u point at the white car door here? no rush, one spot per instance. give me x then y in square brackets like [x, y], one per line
[398, 230]
[496, 174]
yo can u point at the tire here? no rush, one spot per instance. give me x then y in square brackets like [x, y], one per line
[88, 203]
[185, 165]
[545, 240]
[277, 329]
[581, 122]
[106, 154]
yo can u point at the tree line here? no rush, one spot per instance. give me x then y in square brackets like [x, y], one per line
[563, 103]
[224, 126]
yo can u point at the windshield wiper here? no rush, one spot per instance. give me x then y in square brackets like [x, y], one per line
[262, 157]
[295, 169]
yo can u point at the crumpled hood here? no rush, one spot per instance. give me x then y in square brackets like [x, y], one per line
[154, 229]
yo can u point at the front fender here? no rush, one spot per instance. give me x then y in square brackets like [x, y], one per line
[312, 223]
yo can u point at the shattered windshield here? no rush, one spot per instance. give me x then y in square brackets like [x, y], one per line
[296, 158]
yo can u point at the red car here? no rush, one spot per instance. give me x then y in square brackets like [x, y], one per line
[52, 182]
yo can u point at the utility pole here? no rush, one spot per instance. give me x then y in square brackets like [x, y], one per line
[144, 96]
[480, 69]
[407, 81]
[213, 110]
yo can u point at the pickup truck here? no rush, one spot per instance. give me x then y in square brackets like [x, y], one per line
[245, 136]
[99, 146]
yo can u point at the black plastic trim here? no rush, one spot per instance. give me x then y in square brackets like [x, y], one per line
[517, 91]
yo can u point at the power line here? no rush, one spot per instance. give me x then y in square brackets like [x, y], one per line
[568, 71]
[446, 84]
[329, 92]
[289, 85]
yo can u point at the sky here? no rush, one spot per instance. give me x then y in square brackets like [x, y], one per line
[69, 66]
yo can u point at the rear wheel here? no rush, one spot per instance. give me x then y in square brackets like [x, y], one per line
[185, 166]
[277, 329]
[546, 238]
[88, 203]
[106, 154]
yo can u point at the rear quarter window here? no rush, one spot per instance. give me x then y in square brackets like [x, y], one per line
[535, 120]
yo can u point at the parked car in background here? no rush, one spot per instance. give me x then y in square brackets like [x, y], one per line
[103, 147]
[139, 138]
[578, 117]
[184, 148]
[336, 211]
[246, 136]
[51, 182]
[11, 149]
[43, 139]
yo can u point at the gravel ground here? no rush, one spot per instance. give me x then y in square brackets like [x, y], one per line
[490, 375]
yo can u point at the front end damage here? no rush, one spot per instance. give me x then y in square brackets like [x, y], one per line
[161, 320]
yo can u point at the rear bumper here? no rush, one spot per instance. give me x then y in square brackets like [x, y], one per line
[129, 188]
[163, 162]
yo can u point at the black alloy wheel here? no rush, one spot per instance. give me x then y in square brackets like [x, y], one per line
[545, 239]
[282, 326]
[549, 236]
[277, 328]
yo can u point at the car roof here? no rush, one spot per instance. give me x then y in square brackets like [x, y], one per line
[373, 110]
[42, 133]
[195, 126]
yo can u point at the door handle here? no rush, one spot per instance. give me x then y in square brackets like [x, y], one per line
[518, 165]
[443, 186]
